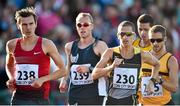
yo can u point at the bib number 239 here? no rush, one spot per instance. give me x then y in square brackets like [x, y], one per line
[80, 78]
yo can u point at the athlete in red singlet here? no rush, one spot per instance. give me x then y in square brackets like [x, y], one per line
[28, 62]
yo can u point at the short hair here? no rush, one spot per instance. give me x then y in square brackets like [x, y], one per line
[85, 15]
[158, 28]
[25, 12]
[127, 23]
[146, 18]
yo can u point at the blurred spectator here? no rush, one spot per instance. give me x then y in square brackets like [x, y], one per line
[60, 35]
[46, 13]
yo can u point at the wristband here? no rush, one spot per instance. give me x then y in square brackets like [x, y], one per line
[153, 80]
[91, 69]
[161, 81]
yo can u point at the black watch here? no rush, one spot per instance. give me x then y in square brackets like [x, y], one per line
[91, 69]
[153, 80]
[161, 81]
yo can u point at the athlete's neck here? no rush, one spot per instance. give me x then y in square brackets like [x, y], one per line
[86, 41]
[159, 53]
[127, 52]
[29, 39]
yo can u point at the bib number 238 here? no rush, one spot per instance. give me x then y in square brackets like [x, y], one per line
[25, 73]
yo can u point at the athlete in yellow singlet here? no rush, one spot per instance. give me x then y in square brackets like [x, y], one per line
[168, 80]
[144, 23]
[124, 63]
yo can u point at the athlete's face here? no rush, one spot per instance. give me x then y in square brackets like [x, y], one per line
[27, 26]
[126, 35]
[157, 41]
[143, 29]
[84, 26]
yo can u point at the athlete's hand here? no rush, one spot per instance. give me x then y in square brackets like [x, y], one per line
[117, 62]
[150, 87]
[37, 83]
[63, 86]
[11, 84]
[82, 69]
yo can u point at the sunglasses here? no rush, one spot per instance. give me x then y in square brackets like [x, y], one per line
[157, 40]
[83, 25]
[128, 34]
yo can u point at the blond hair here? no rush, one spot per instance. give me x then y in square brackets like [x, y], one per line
[84, 15]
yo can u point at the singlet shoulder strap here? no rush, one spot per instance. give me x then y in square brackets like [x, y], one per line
[116, 50]
[18, 45]
[168, 57]
[95, 42]
[137, 50]
[74, 47]
[38, 45]
[40, 40]
[165, 58]
[18, 42]
[136, 42]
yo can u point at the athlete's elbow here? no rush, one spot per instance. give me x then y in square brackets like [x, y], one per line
[157, 65]
[94, 74]
[9, 66]
[64, 73]
[174, 89]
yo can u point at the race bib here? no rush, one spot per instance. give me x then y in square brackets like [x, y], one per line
[25, 73]
[80, 78]
[125, 78]
[157, 88]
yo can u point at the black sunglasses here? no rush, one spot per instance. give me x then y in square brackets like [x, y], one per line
[157, 40]
[128, 34]
[83, 25]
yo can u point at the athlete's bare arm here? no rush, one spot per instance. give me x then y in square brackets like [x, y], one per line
[100, 48]
[172, 84]
[100, 69]
[148, 58]
[10, 67]
[50, 49]
[63, 85]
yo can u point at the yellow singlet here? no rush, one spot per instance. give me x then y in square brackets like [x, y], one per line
[136, 43]
[164, 72]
